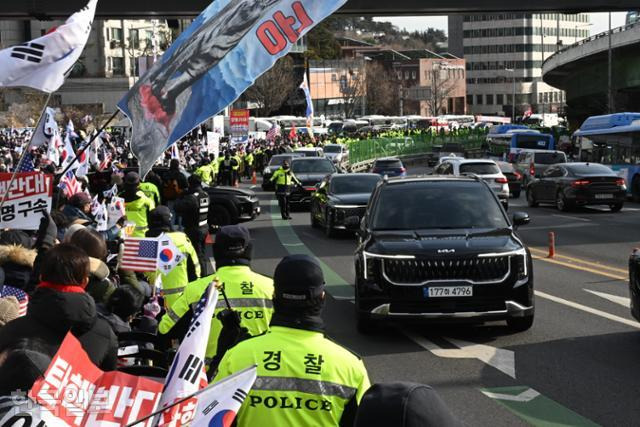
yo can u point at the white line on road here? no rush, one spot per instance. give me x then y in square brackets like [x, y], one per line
[590, 310]
[502, 360]
[577, 218]
[623, 301]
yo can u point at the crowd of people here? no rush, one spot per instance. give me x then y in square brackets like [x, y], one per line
[68, 276]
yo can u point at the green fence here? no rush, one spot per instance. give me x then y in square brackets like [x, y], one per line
[369, 149]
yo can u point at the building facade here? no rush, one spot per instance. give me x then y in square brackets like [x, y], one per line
[504, 53]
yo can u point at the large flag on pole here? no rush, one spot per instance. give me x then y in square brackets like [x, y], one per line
[187, 373]
[211, 64]
[46, 128]
[43, 63]
[307, 94]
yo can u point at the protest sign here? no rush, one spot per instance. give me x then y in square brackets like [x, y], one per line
[77, 393]
[27, 201]
[213, 143]
[239, 122]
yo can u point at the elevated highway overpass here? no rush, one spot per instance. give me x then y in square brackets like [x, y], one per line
[52, 9]
[581, 70]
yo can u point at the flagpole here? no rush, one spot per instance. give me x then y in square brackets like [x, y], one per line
[24, 151]
[93, 138]
[191, 396]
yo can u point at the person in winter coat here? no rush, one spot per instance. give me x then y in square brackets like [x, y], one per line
[60, 305]
[78, 209]
[404, 404]
[119, 310]
[16, 259]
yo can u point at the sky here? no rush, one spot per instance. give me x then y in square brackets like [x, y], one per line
[411, 23]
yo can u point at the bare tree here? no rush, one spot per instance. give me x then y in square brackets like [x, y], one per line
[441, 87]
[353, 87]
[382, 90]
[273, 88]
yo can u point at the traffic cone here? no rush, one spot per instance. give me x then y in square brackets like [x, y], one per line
[254, 179]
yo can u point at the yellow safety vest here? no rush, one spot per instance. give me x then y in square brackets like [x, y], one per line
[284, 178]
[248, 293]
[137, 211]
[304, 379]
[151, 191]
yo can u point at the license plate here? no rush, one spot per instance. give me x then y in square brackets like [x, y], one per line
[448, 291]
[604, 196]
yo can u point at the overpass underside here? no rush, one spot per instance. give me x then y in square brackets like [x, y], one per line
[52, 9]
[585, 83]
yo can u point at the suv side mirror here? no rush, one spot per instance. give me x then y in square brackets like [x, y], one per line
[352, 223]
[521, 218]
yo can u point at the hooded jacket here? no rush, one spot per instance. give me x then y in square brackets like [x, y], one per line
[100, 287]
[404, 404]
[17, 264]
[52, 313]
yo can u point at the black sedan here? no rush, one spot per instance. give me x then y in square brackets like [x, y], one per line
[568, 185]
[514, 178]
[310, 171]
[339, 197]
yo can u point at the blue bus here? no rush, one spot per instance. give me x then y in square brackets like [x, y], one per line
[514, 139]
[613, 140]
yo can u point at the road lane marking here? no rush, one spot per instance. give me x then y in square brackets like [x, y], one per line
[502, 360]
[534, 408]
[336, 286]
[582, 261]
[623, 301]
[589, 310]
[577, 218]
[581, 268]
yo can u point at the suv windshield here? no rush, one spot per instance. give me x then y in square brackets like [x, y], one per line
[312, 166]
[479, 168]
[332, 148]
[436, 205]
[549, 158]
[354, 184]
[278, 160]
[388, 164]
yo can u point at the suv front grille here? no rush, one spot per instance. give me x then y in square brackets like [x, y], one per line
[343, 213]
[474, 270]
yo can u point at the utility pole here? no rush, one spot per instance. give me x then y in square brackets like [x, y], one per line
[610, 104]
[557, 32]
[542, 47]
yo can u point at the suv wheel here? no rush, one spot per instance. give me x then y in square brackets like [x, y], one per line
[616, 207]
[520, 324]
[220, 216]
[531, 201]
[314, 220]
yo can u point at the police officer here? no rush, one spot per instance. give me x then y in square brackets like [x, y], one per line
[227, 166]
[193, 208]
[248, 293]
[137, 206]
[284, 178]
[187, 270]
[205, 171]
[150, 187]
[248, 164]
[303, 377]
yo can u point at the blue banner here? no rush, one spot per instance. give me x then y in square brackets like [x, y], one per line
[211, 64]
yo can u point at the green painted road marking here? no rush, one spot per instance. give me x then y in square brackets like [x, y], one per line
[336, 285]
[534, 408]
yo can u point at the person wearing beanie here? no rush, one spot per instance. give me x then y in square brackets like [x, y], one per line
[78, 209]
[137, 206]
[248, 293]
[188, 270]
[9, 310]
[303, 378]
[193, 209]
[60, 305]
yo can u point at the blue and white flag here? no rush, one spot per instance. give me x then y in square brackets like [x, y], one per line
[211, 64]
[307, 94]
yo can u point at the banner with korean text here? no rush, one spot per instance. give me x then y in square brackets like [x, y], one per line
[239, 123]
[28, 200]
[77, 393]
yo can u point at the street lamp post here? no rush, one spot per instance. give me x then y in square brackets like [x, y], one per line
[513, 99]
[610, 105]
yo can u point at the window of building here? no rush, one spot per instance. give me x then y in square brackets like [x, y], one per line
[134, 39]
[479, 99]
[469, 99]
[117, 66]
[489, 99]
[500, 99]
[116, 34]
[406, 75]
[413, 75]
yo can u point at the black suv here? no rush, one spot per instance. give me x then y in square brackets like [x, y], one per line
[441, 249]
[310, 171]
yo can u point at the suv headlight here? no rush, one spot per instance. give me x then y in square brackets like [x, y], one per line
[520, 260]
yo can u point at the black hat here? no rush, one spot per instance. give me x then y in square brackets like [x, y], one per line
[232, 242]
[132, 178]
[298, 278]
[160, 217]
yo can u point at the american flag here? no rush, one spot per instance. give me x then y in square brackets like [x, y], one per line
[273, 133]
[140, 255]
[21, 296]
[69, 184]
[27, 164]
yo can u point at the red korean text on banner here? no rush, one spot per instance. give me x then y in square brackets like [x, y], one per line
[77, 393]
[29, 197]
